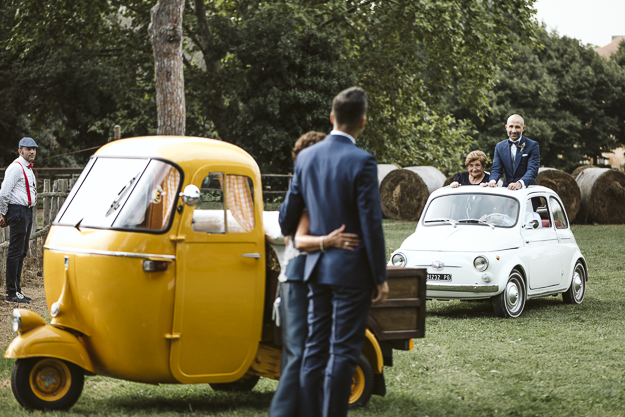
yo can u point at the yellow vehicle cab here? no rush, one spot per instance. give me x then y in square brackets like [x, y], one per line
[156, 270]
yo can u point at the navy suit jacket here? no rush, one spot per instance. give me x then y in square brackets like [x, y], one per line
[338, 183]
[526, 163]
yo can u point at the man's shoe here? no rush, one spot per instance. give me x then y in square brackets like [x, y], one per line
[25, 296]
[17, 298]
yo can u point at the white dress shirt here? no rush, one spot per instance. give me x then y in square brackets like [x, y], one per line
[341, 133]
[13, 189]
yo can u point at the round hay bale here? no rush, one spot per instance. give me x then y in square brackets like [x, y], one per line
[565, 186]
[432, 177]
[580, 169]
[404, 191]
[384, 169]
[603, 196]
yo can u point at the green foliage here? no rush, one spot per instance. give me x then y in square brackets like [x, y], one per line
[570, 97]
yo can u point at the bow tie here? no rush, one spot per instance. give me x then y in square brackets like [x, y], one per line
[30, 166]
[510, 143]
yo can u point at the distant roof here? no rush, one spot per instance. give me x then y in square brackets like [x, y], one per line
[610, 48]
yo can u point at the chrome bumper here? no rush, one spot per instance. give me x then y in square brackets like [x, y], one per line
[430, 286]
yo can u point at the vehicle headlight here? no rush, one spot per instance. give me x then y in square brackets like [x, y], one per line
[16, 320]
[480, 263]
[23, 320]
[398, 259]
[54, 309]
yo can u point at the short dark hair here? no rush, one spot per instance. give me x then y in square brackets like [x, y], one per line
[306, 140]
[350, 106]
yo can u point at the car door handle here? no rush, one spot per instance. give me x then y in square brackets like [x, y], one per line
[252, 255]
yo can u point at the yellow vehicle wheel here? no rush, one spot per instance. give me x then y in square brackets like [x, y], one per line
[362, 383]
[46, 383]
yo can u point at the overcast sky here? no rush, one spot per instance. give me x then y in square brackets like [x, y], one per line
[591, 21]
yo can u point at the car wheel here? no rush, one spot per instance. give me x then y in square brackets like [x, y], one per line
[575, 293]
[46, 383]
[511, 301]
[245, 384]
[362, 383]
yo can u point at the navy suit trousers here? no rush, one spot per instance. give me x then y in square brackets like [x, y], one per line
[20, 220]
[337, 320]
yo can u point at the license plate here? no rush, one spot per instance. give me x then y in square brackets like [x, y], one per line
[439, 277]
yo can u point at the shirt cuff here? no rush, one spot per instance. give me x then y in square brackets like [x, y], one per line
[522, 183]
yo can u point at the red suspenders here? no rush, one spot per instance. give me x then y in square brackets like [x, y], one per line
[27, 185]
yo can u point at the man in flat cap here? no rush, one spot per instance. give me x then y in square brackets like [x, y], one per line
[18, 198]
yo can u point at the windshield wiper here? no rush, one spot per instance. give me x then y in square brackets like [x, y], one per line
[120, 195]
[449, 221]
[477, 221]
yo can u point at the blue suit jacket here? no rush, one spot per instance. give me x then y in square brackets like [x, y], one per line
[338, 183]
[526, 162]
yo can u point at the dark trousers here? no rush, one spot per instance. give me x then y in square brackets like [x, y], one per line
[293, 312]
[20, 220]
[337, 320]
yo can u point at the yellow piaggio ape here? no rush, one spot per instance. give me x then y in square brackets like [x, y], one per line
[157, 270]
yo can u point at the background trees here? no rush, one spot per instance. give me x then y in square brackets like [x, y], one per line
[261, 73]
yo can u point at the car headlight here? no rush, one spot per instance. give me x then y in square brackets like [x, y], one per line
[480, 263]
[54, 309]
[398, 259]
[23, 320]
[16, 320]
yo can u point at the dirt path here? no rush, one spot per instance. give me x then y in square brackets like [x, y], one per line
[32, 285]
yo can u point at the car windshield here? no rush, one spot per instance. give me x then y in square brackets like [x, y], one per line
[137, 194]
[473, 209]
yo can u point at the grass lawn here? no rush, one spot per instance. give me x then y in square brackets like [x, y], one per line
[555, 360]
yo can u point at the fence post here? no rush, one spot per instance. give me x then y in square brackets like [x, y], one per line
[63, 189]
[46, 204]
[54, 201]
[33, 248]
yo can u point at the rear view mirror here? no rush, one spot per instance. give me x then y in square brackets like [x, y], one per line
[532, 224]
[191, 195]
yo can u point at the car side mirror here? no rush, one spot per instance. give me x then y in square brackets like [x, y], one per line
[532, 224]
[190, 195]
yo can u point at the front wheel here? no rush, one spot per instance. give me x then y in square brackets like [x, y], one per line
[362, 383]
[46, 383]
[511, 301]
[575, 293]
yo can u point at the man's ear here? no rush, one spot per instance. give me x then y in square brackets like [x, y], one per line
[332, 118]
[362, 122]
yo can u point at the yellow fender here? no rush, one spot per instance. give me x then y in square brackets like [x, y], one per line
[372, 351]
[50, 342]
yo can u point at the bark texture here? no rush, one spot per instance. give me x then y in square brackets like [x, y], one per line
[166, 34]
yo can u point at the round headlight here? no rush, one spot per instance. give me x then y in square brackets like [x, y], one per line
[398, 259]
[480, 263]
[54, 309]
[16, 320]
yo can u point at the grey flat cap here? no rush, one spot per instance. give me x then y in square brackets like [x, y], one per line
[28, 143]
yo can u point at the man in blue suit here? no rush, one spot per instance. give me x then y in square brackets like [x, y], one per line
[337, 183]
[518, 157]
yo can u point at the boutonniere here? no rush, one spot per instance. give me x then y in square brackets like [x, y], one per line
[522, 146]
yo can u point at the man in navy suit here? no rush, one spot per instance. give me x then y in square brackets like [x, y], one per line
[518, 156]
[337, 183]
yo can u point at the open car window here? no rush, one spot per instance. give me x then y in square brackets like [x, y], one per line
[476, 209]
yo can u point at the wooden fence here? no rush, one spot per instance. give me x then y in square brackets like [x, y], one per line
[48, 204]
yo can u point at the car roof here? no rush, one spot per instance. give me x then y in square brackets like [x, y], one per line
[472, 189]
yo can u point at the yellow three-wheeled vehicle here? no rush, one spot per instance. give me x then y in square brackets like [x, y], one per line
[150, 284]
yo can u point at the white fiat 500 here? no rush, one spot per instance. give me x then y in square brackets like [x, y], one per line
[509, 246]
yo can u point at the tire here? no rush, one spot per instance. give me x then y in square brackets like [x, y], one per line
[575, 293]
[46, 383]
[511, 301]
[245, 384]
[362, 384]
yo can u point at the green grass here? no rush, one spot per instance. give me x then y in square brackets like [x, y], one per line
[555, 360]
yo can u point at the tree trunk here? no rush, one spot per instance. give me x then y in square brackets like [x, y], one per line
[166, 34]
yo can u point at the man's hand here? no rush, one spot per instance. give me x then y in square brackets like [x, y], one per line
[492, 183]
[380, 293]
[515, 186]
[3, 222]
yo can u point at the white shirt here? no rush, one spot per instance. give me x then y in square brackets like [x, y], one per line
[341, 133]
[13, 189]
